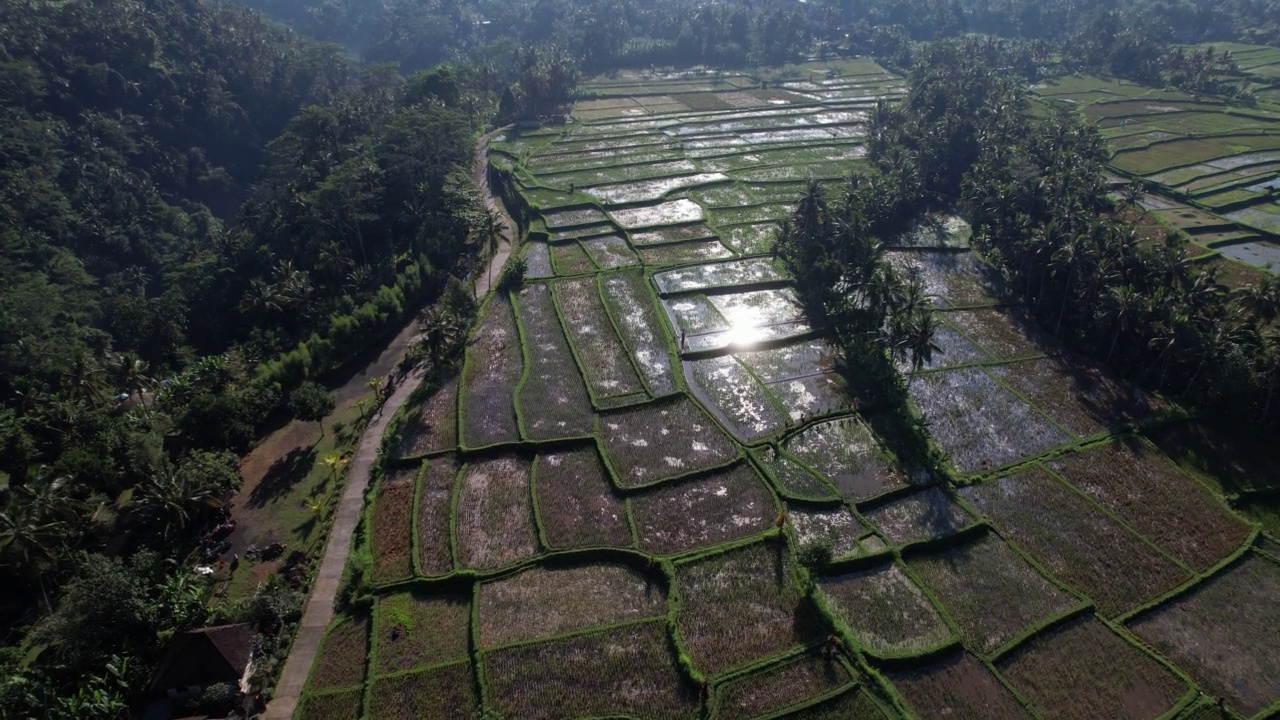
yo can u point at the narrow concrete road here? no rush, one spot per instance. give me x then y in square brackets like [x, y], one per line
[319, 609]
[481, 170]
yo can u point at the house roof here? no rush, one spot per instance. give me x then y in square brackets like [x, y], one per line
[206, 656]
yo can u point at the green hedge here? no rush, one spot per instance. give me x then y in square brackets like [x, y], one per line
[352, 333]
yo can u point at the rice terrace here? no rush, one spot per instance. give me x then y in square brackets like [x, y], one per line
[658, 488]
[640, 359]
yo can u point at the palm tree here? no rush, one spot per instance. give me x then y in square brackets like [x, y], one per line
[170, 498]
[131, 373]
[1271, 366]
[1064, 262]
[1261, 300]
[83, 380]
[262, 297]
[38, 526]
[1119, 306]
[442, 331]
[923, 327]
[334, 461]
[1164, 339]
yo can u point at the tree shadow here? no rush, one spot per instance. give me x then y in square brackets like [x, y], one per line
[1241, 459]
[282, 476]
[303, 529]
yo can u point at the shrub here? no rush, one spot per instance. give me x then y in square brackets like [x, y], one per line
[512, 277]
[816, 553]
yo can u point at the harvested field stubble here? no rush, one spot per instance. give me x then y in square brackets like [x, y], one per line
[418, 629]
[990, 592]
[435, 492]
[956, 278]
[856, 703]
[1084, 399]
[1224, 633]
[576, 502]
[672, 212]
[331, 706]
[720, 506]
[1005, 333]
[662, 439]
[813, 396]
[537, 257]
[724, 274]
[695, 251]
[609, 251]
[803, 358]
[953, 349]
[341, 661]
[604, 359]
[553, 400]
[392, 528]
[1139, 484]
[781, 686]
[836, 526]
[493, 367]
[545, 601]
[885, 611]
[957, 688]
[494, 514]
[671, 234]
[741, 606]
[445, 693]
[568, 218]
[743, 404]
[435, 426]
[751, 239]
[1118, 679]
[1075, 540]
[627, 671]
[570, 259]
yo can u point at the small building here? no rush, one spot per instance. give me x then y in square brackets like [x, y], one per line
[199, 659]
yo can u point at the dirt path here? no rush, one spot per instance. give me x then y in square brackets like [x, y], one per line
[318, 612]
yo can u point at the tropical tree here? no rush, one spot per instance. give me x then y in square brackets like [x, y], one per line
[923, 327]
[442, 331]
[1120, 307]
[38, 528]
[310, 402]
[491, 234]
[167, 500]
[1270, 369]
[132, 374]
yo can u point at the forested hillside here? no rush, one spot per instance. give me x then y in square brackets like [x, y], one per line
[188, 191]
[637, 33]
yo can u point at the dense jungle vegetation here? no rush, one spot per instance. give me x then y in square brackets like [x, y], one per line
[634, 33]
[199, 210]
[202, 211]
